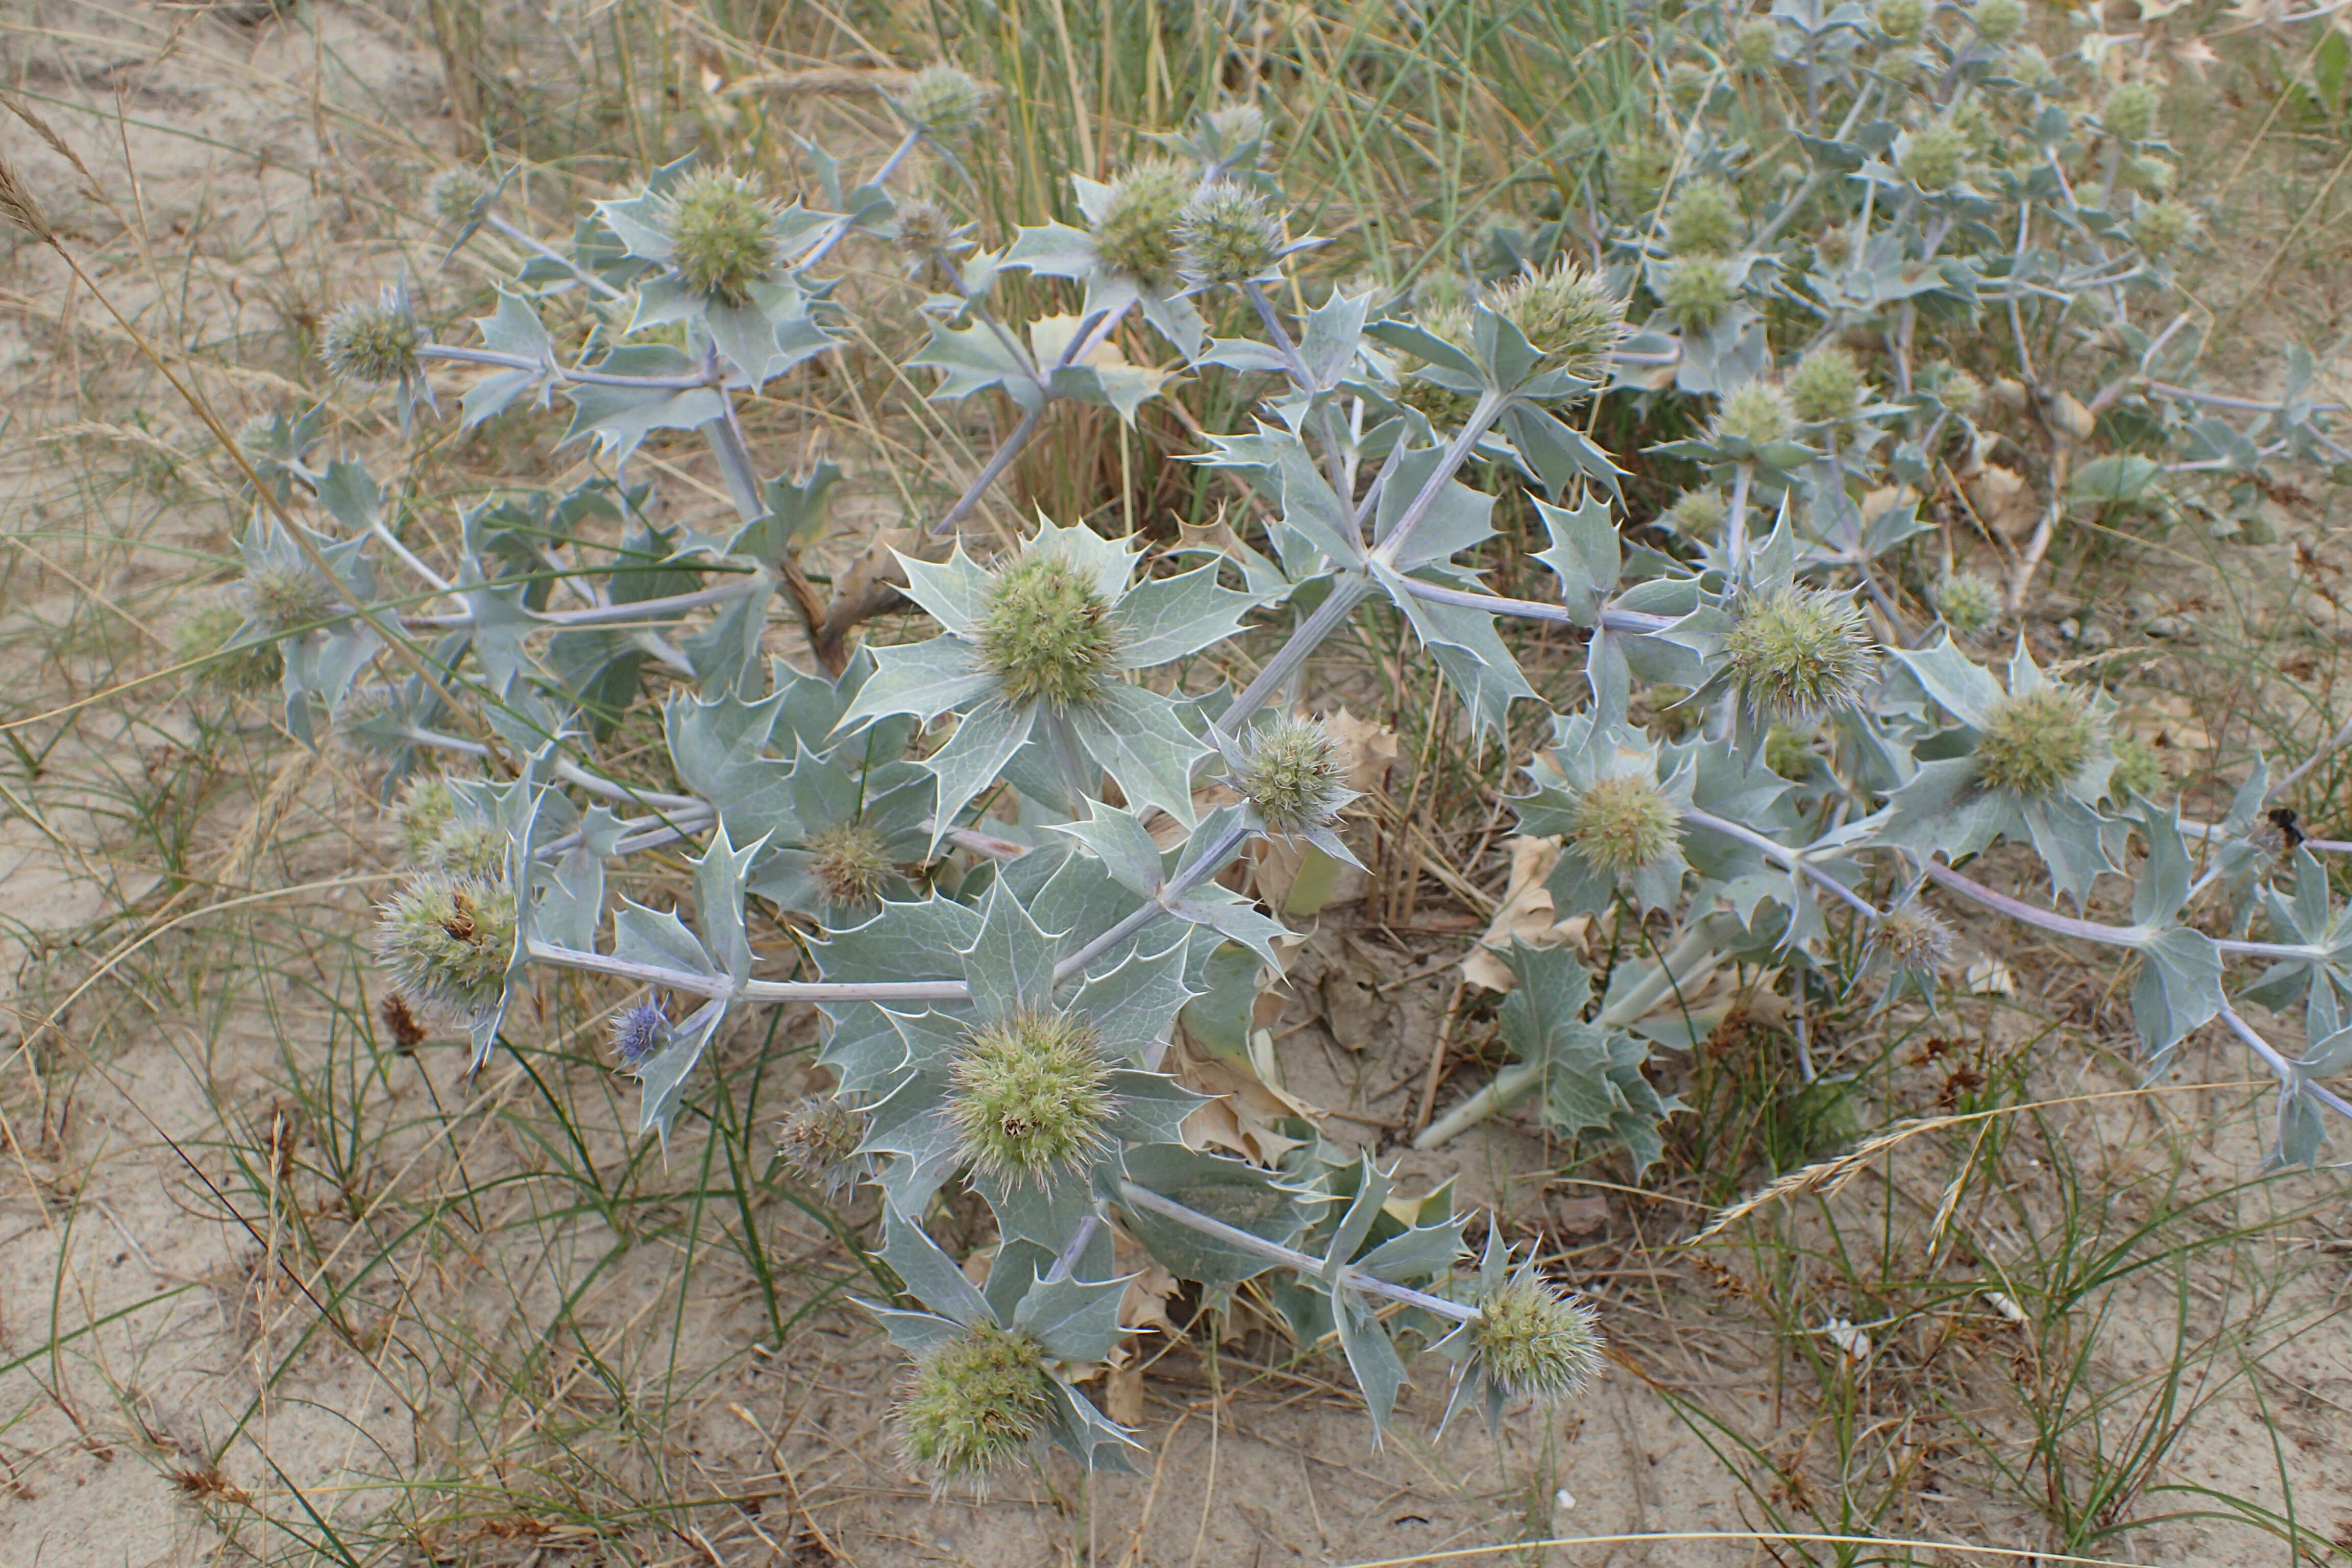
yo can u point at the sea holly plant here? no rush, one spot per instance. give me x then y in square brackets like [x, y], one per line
[1003, 846]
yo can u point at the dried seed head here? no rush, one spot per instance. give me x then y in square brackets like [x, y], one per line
[1532, 1339]
[1703, 220]
[819, 1140]
[454, 194]
[1030, 1097]
[722, 235]
[1624, 822]
[974, 1404]
[2159, 227]
[1998, 21]
[1698, 514]
[1698, 290]
[639, 1033]
[1756, 414]
[1296, 774]
[1047, 634]
[447, 940]
[1826, 386]
[1226, 233]
[290, 597]
[1567, 316]
[407, 1034]
[423, 809]
[1137, 236]
[18, 205]
[1901, 20]
[2034, 745]
[1756, 43]
[2139, 770]
[1914, 939]
[924, 226]
[373, 345]
[1968, 603]
[467, 849]
[1798, 653]
[850, 863]
[2131, 111]
[1934, 157]
[254, 667]
[945, 102]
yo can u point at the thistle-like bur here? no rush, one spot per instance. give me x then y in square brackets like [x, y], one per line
[373, 345]
[1934, 157]
[1797, 653]
[850, 862]
[1046, 634]
[1901, 20]
[1698, 514]
[2035, 743]
[1954, 388]
[447, 940]
[1913, 939]
[424, 808]
[204, 635]
[1686, 82]
[2131, 111]
[454, 194]
[1998, 21]
[1698, 290]
[1237, 125]
[1638, 171]
[1136, 234]
[1295, 773]
[1968, 603]
[639, 1033]
[1226, 233]
[1531, 1340]
[722, 235]
[1827, 386]
[1566, 315]
[1756, 43]
[2159, 227]
[2139, 769]
[1624, 822]
[819, 1140]
[943, 101]
[1031, 1097]
[1755, 413]
[285, 596]
[1703, 220]
[974, 1404]
[470, 847]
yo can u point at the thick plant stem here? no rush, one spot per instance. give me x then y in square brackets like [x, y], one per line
[1212, 860]
[1348, 591]
[718, 987]
[1691, 961]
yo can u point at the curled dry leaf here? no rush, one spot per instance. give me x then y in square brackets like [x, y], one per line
[1527, 915]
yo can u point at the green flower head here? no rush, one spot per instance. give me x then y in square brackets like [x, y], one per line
[1532, 1339]
[2035, 743]
[1295, 773]
[1031, 1097]
[943, 101]
[1624, 822]
[1046, 634]
[974, 1404]
[1826, 386]
[454, 194]
[254, 667]
[1756, 43]
[1136, 234]
[1226, 233]
[1755, 413]
[1969, 604]
[448, 938]
[1998, 21]
[1798, 653]
[374, 345]
[722, 235]
[1566, 315]
[1698, 290]
[1934, 157]
[1703, 220]
[820, 1141]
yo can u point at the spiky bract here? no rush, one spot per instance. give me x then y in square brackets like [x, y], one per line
[1624, 823]
[722, 235]
[1704, 219]
[1226, 233]
[1566, 315]
[454, 195]
[373, 345]
[1533, 1340]
[1047, 634]
[1968, 603]
[424, 808]
[943, 100]
[253, 668]
[448, 938]
[1826, 386]
[1031, 1097]
[819, 1140]
[1698, 290]
[1137, 233]
[1913, 939]
[1755, 413]
[1934, 157]
[1295, 773]
[974, 1404]
[1797, 653]
[2034, 744]
[467, 847]
[850, 862]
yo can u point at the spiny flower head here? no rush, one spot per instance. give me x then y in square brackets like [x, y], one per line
[2158, 228]
[1295, 773]
[288, 595]
[944, 101]
[1798, 652]
[1698, 290]
[1698, 514]
[1226, 233]
[448, 939]
[373, 345]
[2139, 769]
[2035, 743]
[974, 1404]
[1933, 156]
[1237, 125]
[467, 847]
[850, 862]
[1901, 20]
[454, 192]
[1031, 1097]
[1827, 386]
[1638, 171]
[215, 627]
[1566, 315]
[722, 235]
[1686, 82]
[1998, 21]
[1756, 43]
[1914, 939]
[1624, 823]
[1968, 603]
[1954, 388]
[1533, 1340]
[1755, 413]
[1047, 634]
[2150, 173]
[923, 225]
[1704, 219]
[639, 1033]
[424, 808]
[819, 1140]
[2130, 111]
[1137, 233]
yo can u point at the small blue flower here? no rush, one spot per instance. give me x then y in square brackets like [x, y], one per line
[638, 1033]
